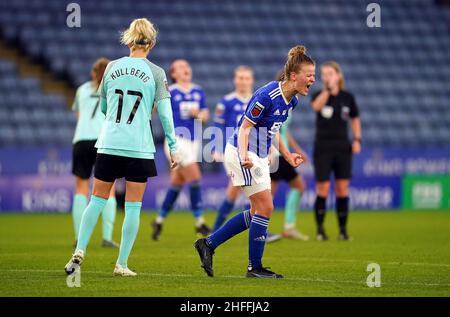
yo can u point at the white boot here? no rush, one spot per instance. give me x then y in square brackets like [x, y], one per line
[119, 270]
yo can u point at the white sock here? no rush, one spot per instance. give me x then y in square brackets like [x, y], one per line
[289, 226]
[199, 221]
[159, 220]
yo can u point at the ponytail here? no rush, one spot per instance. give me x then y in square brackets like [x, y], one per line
[141, 34]
[296, 57]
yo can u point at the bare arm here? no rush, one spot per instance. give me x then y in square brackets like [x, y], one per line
[296, 147]
[293, 144]
[203, 115]
[281, 147]
[356, 131]
[320, 100]
[243, 135]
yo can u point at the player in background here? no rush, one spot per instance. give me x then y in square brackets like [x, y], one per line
[189, 110]
[130, 88]
[89, 123]
[247, 162]
[333, 150]
[285, 172]
[228, 113]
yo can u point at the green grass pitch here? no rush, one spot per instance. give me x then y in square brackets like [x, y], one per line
[412, 248]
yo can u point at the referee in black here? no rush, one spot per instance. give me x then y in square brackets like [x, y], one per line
[333, 149]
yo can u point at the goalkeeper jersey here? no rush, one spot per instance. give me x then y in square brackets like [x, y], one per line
[129, 89]
[90, 118]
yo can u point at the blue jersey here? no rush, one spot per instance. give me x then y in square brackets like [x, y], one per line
[267, 110]
[182, 103]
[229, 112]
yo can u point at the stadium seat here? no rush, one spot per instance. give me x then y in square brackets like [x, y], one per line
[399, 73]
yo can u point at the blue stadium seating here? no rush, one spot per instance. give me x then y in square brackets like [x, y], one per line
[27, 115]
[399, 73]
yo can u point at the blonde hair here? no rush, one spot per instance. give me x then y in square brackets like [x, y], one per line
[243, 68]
[338, 70]
[296, 57]
[140, 34]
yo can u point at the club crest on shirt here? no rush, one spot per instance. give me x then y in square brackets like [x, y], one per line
[257, 110]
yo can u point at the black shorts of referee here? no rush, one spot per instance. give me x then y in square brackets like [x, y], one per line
[332, 158]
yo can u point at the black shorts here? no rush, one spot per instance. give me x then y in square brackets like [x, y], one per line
[83, 158]
[336, 158]
[285, 172]
[108, 168]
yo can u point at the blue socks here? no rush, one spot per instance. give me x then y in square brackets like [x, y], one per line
[171, 197]
[196, 199]
[257, 240]
[129, 231]
[89, 220]
[232, 227]
[78, 206]
[108, 217]
[223, 212]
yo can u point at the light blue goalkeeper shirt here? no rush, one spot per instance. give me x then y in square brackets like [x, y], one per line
[129, 89]
[90, 118]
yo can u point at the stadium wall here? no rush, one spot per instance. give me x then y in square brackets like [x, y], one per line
[40, 180]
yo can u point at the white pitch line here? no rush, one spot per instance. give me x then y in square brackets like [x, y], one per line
[302, 279]
[303, 259]
[370, 261]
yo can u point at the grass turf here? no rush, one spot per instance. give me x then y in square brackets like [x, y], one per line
[412, 248]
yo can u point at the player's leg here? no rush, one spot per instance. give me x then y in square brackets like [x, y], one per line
[108, 218]
[176, 183]
[133, 202]
[263, 204]
[342, 206]
[323, 163]
[206, 247]
[100, 194]
[320, 208]
[273, 237]
[241, 221]
[192, 174]
[83, 159]
[89, 219]
[343, 173]
[232, 227]
[297, 187]
[227, 205]
[79, 202]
